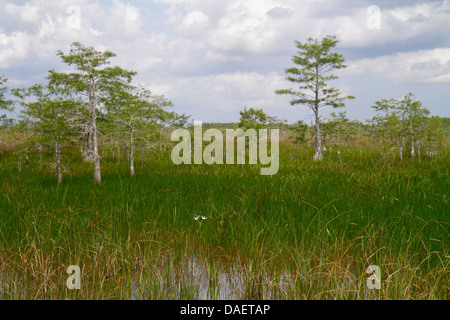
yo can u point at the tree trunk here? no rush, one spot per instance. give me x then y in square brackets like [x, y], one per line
[97, 170]
[88, 150]
[318, 155]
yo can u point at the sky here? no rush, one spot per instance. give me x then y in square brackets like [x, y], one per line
[212, 58]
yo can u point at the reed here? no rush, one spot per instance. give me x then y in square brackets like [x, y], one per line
[309, 232]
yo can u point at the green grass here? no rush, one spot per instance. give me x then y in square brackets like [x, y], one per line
[308, 232]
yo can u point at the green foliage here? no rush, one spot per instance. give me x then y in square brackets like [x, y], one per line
[53, 114]
[96, 83]
[4, 103]
[135, 107]
[94, 77]
[140, 117]
[431, 134]
[405, 123]
[341, 129]
[257, 119]
[299, 130]
[94, 80]
[316, 61]
[446, 124]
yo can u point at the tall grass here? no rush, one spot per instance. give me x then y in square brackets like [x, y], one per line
[309, 232]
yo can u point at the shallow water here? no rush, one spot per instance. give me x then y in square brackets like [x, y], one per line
[197, 279]
[194, 278]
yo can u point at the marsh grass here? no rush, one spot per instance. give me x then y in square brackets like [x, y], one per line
[309, 232]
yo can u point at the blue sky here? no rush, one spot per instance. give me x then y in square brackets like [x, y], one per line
[212, 58]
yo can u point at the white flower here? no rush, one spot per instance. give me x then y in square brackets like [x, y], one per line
[204, 218]
[196, 218]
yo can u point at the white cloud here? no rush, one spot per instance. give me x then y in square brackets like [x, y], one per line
[280, 13]
[195, 17]
[26, 13]
[123, 20]
[225, 92]
[424, 66]
[48, 26]
[191, 49]
[14, 48]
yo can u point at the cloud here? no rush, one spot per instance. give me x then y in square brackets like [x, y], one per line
[123, 20]
[280, 13]
[13, 48]
[224, 92]
[226, 54]
[26, 13]
[196, 17]
[424, 66]
[218, 31]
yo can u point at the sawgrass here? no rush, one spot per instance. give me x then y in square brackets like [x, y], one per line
[309, 232]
